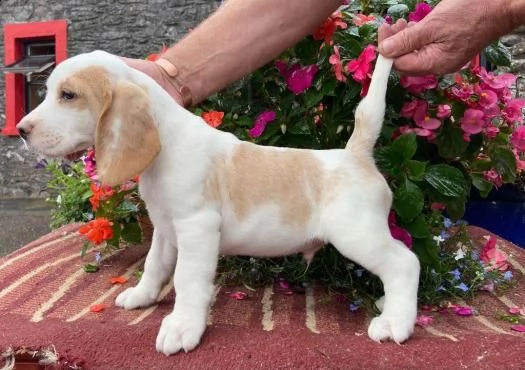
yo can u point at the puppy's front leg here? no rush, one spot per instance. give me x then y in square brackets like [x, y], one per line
[159, 266]
[198, 244]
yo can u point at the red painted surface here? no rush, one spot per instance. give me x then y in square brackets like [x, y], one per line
[14, 35]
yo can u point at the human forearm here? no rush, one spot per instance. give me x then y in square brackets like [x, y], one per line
[516, 11]
[240, 37]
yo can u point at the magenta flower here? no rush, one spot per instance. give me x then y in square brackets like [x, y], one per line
[513, 111]
[518, 138]
[409, 108]
[462, 92]
[424, 320]
[423, 119]
[298, 79]
[487, 98]
[518, 328]
[389, 19]
[472, 121]
[421, 11]
[443, 111]
[260, 123]
[463, 311]
[398, 232]
[493, 177]
[90, 164]
[361, 68]
[418, 84]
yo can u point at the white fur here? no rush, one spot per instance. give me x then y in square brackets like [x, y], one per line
[191, 232]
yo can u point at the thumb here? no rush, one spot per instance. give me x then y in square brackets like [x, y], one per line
[404, 42]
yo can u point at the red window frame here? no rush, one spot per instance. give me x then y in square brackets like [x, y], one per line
[14, 36]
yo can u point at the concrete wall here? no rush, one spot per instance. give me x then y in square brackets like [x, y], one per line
[133, 28]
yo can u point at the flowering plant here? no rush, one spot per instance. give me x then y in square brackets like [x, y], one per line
[443, 136]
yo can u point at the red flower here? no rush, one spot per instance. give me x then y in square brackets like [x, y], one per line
[361, 19]
[99, 193]
[361, 68]
[213, 118]
[98, 230]
[329, 27]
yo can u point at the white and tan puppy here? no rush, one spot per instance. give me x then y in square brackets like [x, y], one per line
[209, 193]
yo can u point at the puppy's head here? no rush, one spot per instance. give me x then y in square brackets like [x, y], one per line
[89, 101]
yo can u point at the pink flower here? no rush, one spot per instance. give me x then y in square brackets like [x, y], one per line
[463, 311]
[361, 67]
[423, 132]
[472, 121]
[512, 111]
[520, 165]
[437, 206]
[493, 177]
[517, 310]
[518, 138]
[462, 92]
[421, 11]
[240, 296]
[487, 98]
[337, 65]
[491, 131]
[418, 84]
[398, 232]
[492, 257]
[389, 19]
[410, 108]
[260, 123]
[443, 111]
[492, 112]
[423, 119]
[424, 320]
[90, 164]
[518, 328]
[497, 82]
[297, 78]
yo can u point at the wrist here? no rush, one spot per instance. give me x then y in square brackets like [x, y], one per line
[173, 76]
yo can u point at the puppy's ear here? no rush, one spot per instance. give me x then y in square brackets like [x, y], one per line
[126, 139]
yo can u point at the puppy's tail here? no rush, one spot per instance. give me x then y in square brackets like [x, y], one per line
[370, 112]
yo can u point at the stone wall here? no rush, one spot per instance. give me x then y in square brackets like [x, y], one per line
[133, 28]
[516, 43]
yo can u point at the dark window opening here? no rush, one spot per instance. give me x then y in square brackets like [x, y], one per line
[36, 64]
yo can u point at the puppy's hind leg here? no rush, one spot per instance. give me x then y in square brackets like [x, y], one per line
[159, 267]
[398, 268]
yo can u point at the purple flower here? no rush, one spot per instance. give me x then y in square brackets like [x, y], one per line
[456, 274]
[463, 287]
[359, 272]
[354, 306]
[260, 123]
[297, 78]
[421, 11]
[508, 275]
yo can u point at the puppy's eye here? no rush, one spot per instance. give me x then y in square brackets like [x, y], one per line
[67, 95]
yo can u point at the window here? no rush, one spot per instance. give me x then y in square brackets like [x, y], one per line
[31, 52]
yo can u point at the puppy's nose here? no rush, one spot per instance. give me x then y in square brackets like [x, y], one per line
[24, 129]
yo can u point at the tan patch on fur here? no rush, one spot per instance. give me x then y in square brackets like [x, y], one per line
[127, 140]
[91, 85]
[255, 176]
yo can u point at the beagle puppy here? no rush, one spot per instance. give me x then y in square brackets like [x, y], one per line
[210, 194]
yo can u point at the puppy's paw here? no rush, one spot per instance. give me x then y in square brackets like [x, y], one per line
[135, 297]
[178, 334]
[398, 329]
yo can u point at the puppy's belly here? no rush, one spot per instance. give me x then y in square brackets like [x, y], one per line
[265, 234]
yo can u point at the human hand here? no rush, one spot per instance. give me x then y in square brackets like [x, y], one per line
[156, 72]
[447, 38]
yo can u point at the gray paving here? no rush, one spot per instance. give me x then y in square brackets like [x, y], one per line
[22, 221]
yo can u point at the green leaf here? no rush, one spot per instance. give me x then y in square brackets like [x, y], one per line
[481, 184]
[505, 163]
[312, 98]
[450, 142]
[481, 165]
[415, 169]
[427, 252]
[406, 145]
[90, 267]
[418, 228]
[447, 180]
[498, 54]
[398, 11]
[388, 160]
[132, 233]
[408, 201]
[456, 207]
